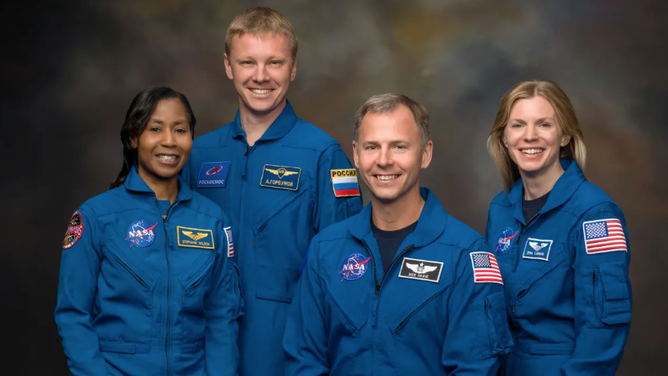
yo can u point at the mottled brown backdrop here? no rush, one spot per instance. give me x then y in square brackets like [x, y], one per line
[70, 69]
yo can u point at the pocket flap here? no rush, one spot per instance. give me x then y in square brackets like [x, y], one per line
[117, 347]
[277, 296]
[616, 294]
[497, 325]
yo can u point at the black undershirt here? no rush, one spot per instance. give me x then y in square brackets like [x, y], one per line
[389, 241]
[532, 207]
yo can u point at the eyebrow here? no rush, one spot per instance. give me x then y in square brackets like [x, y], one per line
[160, 121]
[537, 121]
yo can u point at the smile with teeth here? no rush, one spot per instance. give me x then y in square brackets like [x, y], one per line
[260, 91]
[167, 158]
[386, 177]
[532, 151]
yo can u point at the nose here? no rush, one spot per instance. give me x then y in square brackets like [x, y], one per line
[168, 139]
[260, 73]
[385, 158]
[530, 133]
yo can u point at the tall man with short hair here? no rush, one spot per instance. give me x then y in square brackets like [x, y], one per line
[401, 288]
[280, 179]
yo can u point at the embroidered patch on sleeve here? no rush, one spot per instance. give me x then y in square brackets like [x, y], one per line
[74, 230]
[230, 244]
[485, 268]
[604, 235]
[344, 182]
[281, 177]
[213, 174]
[194, 237]
[421, 270]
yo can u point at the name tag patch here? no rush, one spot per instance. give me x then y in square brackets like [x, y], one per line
[537, 249]
[281, 177]
[194, 237]
[213, 174]
[344, 182]
[422, 270]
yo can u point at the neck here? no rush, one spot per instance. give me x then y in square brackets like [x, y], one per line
[391, 216]
[539, 184]
[256, 123]
[165, 189]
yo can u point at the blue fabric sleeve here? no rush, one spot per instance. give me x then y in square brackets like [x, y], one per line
[602, 300]
[305, 338]
[223, 307]
[77, 289]
[478, 331]
[330, 209]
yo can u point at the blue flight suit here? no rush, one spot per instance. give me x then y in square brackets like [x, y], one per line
[566, 278]
[426, 316]
[279, 194]
[143, 294]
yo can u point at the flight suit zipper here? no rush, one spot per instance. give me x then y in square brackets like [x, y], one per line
[164, 230]
[519, 236]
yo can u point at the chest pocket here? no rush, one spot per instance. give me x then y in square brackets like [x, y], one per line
[351, 299]
[538, 274]
[197, 282]
[280, 239]
[416, 306]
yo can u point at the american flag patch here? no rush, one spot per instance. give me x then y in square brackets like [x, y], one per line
[604, 235]
[230, 245]
[485, 268]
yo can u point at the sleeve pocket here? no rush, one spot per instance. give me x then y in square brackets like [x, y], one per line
[614, 300]
[500, 340]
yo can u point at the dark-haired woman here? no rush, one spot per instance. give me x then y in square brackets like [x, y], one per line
[147, 282]
[560, 241]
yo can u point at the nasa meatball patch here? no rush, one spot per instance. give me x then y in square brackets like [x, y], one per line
[141, 234]
[421, 270]
[354, 267]
[74, 230]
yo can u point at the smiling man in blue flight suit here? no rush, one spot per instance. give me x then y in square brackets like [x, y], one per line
[280, 179]
[402, 288]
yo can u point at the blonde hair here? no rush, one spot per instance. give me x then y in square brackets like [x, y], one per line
[565, 118]
[261, 20]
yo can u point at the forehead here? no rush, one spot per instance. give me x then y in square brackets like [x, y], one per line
[536, 106]
[169, 107]
[396, 125]
[260, 44]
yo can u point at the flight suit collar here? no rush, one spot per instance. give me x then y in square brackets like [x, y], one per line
[431, 223]
[279, 128]
[563, 189]
[134, 183]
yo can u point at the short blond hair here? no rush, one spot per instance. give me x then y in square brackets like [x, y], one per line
[388, 102]
[258, 21]
[565, 117]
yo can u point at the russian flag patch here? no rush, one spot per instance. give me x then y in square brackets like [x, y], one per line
[344, 182]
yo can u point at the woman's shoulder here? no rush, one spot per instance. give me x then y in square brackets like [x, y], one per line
[590, 196]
